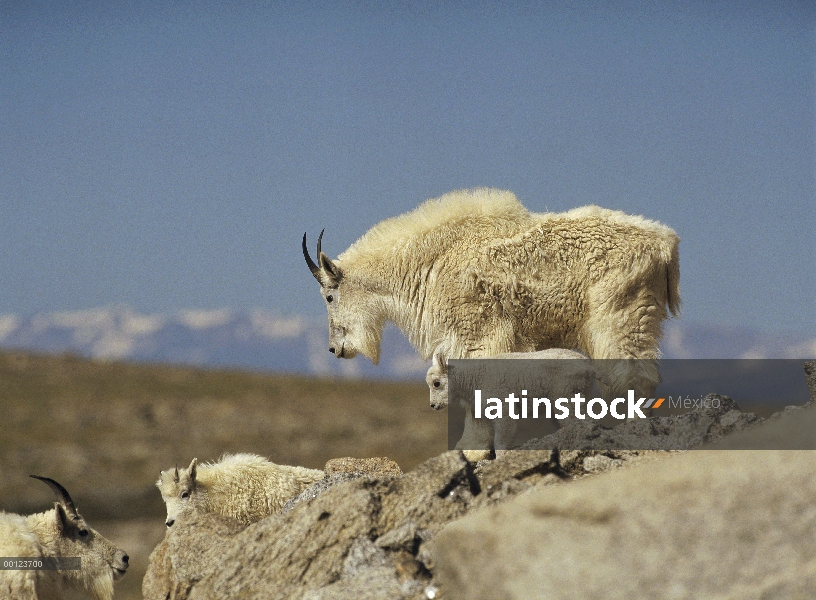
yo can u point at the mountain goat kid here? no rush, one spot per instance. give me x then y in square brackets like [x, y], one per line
[552, 379]
[54, 534]
[245, 487]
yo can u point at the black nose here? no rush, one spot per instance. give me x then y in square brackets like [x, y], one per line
[125, 559]
[331, 350]
[170, 523]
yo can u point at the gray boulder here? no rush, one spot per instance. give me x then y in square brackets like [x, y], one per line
[187, 554]
[706, 524]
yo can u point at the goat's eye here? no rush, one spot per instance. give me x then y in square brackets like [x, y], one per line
[83, 532]
[437, 384]
[329, 298]
[185, 494]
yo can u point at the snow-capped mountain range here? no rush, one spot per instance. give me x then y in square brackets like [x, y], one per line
[258, 340]
[263, 340]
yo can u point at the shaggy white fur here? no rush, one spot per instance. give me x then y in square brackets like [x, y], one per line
[245, 487]
[473, 274]
[52, 534]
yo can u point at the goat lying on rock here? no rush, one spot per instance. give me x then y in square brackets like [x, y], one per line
[245, 487]
[60, 533]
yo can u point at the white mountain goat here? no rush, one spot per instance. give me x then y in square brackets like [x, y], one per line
[245, 487]
[559, 373]
[553, 380]
[475, 274]
[60, 533]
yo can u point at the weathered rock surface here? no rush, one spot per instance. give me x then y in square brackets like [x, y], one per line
[348, 536]
[441, 530]
[707, 524]
[189, 551]
[690, 430]
[372, 467]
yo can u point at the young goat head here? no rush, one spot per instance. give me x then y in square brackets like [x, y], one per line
[178, 490]
[437, 379]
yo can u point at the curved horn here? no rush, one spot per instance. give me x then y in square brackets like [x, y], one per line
[312, 266]
[62, 494]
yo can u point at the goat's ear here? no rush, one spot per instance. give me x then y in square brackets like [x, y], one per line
[192, 470]
[63, 521]
[330, 270]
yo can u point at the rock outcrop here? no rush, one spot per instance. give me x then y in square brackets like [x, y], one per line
[453, 529]
[349, 536]
[707, 524]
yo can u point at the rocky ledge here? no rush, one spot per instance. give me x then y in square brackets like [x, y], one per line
[708, 523]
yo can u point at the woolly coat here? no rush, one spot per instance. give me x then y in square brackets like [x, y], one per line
[473, 273]
[245, 487]
[38, 536]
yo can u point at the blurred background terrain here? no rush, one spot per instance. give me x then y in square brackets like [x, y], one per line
[106, 429]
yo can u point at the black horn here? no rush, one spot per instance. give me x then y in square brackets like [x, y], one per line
[320, 243]
[312, 266]
[62, 494]
[176, 475]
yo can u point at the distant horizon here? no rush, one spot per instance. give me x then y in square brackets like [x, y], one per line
[225, 312]
[264, 340]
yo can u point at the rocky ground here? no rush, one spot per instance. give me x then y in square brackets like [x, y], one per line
[424, 522]
[536, 523]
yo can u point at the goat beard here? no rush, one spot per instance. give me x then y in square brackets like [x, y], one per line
[100, 587]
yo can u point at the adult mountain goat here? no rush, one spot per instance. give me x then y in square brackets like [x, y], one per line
[60, 533]
[245, 487]
[473, 274]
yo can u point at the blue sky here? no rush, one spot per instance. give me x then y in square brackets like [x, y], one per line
[170, 155]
